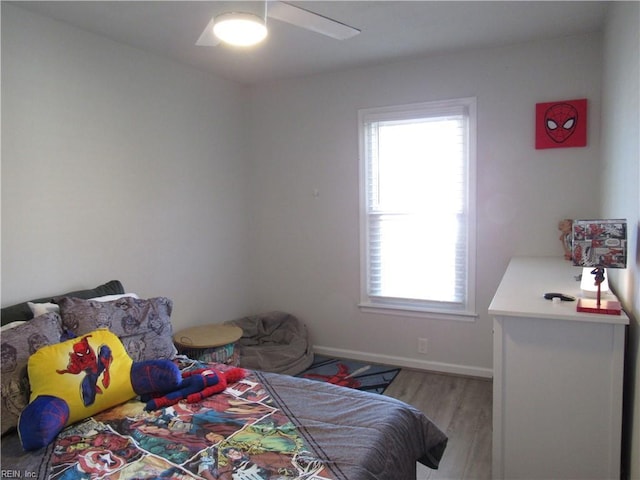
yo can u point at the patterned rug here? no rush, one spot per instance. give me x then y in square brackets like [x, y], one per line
[351, 373]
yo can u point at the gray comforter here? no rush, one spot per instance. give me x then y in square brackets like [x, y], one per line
[349, 434]
[366, 436]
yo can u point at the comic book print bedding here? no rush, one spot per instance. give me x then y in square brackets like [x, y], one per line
[236, 435]
[267, 426]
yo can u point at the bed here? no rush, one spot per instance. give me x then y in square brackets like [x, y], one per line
[264, 426]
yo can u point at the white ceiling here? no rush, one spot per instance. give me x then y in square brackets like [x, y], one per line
[390, 30]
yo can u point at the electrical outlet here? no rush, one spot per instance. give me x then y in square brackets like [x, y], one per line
[422, 345]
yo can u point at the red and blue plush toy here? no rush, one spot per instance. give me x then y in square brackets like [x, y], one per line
[195, 386]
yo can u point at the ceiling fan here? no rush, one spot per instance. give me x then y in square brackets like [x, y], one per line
[281, 11]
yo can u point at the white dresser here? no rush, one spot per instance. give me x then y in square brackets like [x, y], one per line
[557, 386]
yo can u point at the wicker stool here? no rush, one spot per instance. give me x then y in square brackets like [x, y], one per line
[209, 343]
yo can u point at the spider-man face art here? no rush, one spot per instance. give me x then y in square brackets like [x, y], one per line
[560, 121]
[561, 124]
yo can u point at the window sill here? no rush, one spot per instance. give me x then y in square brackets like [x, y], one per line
[405, 311]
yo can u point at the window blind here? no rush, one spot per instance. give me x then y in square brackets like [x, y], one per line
[416, 206]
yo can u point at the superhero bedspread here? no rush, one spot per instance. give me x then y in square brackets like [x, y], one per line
[266, 426]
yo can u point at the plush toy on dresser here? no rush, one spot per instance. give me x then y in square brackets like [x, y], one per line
[565, 226]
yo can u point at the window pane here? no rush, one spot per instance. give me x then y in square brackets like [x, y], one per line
[415, 257]
[415, 178]
[419, 164]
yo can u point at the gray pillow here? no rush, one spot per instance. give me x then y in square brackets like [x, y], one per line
[143, 325]
[21, 311]
[18, 344]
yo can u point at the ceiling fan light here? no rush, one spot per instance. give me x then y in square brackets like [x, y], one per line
[240, 29]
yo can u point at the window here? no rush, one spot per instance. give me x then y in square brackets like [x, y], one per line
[417, 177]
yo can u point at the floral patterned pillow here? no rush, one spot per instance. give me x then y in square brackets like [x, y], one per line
[18, 344]
[143, 325]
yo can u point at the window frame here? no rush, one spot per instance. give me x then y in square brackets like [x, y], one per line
[466, 311]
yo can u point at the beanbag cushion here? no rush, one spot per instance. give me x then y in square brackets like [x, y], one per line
[274, 342]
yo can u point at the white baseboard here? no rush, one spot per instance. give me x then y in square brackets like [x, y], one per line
[439, 367]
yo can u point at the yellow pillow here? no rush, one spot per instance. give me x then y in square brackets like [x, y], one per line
[90, 373]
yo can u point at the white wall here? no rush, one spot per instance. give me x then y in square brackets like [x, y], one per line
[96, 130]
[305, 137]
[621, 191]
[119, 164]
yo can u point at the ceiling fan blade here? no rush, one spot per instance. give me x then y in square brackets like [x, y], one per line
[288, 13]
[285, 12]
[207, 38]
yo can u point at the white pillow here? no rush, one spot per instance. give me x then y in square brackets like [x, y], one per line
[41, 308]
[11, 325]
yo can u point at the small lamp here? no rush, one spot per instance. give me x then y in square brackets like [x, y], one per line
[599, 244]
[589, 288]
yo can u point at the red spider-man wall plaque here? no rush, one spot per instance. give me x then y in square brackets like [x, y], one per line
[561, 124]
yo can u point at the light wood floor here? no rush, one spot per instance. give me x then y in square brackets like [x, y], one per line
[461, 407]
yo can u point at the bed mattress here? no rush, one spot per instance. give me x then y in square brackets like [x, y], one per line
[267, 426]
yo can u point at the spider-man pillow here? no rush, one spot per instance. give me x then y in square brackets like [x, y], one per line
[78, 378]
